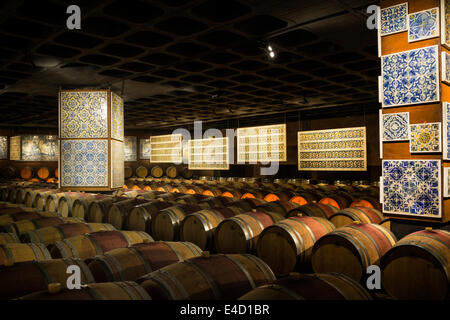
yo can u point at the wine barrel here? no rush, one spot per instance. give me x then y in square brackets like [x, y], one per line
[199, 227]
[239, 234]
[362, 214]
[43, 173]
[281, 207]
[322, 286]
[81, 204]
[52, 234]
[286, 245]
[8, 238]
[351, 249]
[166, 224]
[51, 202]
[171, 172]
[117, 213]
[156, 172]
[19, 252]
[36, 198]
[128, 172]
[20, 195]
[193, 189]
[95, 291]
[368, 202]
[214, 277]
[97, 209]
[91, 244]
[214, 202]
[22, 226]
[314, 210]
[26, 173]
[140, 216]
[279, 195]
[56, 173]
[31, 276]
[191, 199]
[141, 194]
[186, 173]
[21, 215]
[141, 172]
[335, 200]
[254, 193]
[131, 263]
[418, 266]
[65, 202]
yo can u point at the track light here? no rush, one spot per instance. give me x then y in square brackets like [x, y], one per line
[270, 52]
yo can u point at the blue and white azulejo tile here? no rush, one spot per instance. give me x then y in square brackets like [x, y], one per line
[395, 126]
[423, 25]
[394, 19]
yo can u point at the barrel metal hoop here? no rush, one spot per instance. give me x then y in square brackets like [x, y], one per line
[128, 288]
[332, 285]
[212, 284]
[94, 242]
[248, 232]
[175, 282]
[372, 240]
[299, 244]
[93, 293]
[307, 229]
[110, 259]
[194, 248]
[283, 289]
[87, 272]
[364, 256]
[244, 271]
[180, 258]
[7, 251]
[145, 263]
[356, 286]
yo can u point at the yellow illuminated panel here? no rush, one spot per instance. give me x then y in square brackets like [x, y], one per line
[166, 148]
[208, 154]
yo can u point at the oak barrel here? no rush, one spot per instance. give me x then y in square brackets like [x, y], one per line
[19, 252]
[8, 238]
[314, 210]
[97, 209]
[43, 173]
[156, 172]
[171, 172]
[81, 204]
[26, 173]
[141, 215]
[141, 172]
[362, 214]
[128, 172]
[22, 226]
[166, 224]
[281, 207]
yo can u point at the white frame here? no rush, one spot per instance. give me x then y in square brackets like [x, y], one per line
[437, 25]
[171, 138]
[380, 131]
[140, 149]
[438, 87]
[446, 184]
[421, 124]
[111, 161]
[397, 5]
[444, 55]
[111, 120]
[380, 89]
[445, 125]
[299, 150]
[382, 128]
[443, 24]
[439, 190]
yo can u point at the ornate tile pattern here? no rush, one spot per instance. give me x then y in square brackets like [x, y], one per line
[412, 187]
[117, 164]
[446, 129]
[84, 163]
[84, 114]
[130, 149]
[3, 147]
[445, 67]
[144, 149]
[208, 154]
[395, 126]
[39, 148]
[333, 150]
[394, 19]
[425, 137]
[423, 25]
[445, 23]
[15, 146]
[411, 77]
[116, 117]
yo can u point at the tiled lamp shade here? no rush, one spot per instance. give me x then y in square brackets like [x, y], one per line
[91, 140]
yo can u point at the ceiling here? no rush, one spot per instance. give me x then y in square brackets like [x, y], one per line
[176, 61]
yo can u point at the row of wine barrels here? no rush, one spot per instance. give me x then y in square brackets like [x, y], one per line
[368, 202]
[22, 215]
[81, 204]
[214, 202]
[206, 278]
[95, 291]
[92, 244]
[314, 210]
[418, 266]
[128, 172]
[11, 253]
[8, 238]
[339, 201]
[22, 226]
[361, 214]
[131, 263]
[140, 216]
[322, 286]
[97, 208]
[166, 224]
[240, 234]
[353, 248]
[37, 198]
[28, 173]
[23, 278]
[199, 227]
[52, 234]
[281, 207]
[118, 212]
[287, 245]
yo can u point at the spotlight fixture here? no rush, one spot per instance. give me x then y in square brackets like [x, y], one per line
[270, 51]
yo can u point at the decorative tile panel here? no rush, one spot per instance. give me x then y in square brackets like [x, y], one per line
[411, 77]
[116, 117]
[130, 149]
[445, 67]
[423, 25]
[208, 154]
[84, 114]
[333, 150]
[445, 23]
[15, 146]
[412, 187]
[166, 149]
[117, 164]
[263, 144]
[395, 126]
[394, 19]
[425, 137]
[144, 149]
[3, 148]
[39, 148]
[84, 163]
[446, 129]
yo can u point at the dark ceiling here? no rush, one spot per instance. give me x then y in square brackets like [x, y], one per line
[176, 61]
